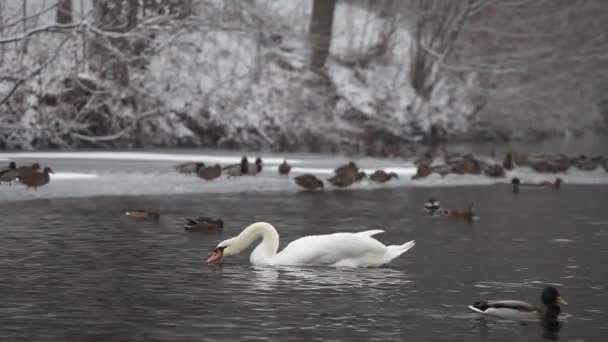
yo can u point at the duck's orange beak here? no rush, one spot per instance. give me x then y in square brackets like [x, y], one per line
[217, 254]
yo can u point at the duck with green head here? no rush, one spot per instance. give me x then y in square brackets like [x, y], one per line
[517, 310]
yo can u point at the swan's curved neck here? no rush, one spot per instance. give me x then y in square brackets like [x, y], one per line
[267, 248]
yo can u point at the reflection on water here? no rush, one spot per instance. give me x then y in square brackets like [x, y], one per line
[78, 269]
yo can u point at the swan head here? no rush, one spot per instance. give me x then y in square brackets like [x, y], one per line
[225, 248]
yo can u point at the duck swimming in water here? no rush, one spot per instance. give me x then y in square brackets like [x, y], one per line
[519, 310]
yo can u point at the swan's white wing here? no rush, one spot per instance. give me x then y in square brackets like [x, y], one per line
[332, 249]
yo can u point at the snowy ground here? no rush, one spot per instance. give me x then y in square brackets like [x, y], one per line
[86, 174]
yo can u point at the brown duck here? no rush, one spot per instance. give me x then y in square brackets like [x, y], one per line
[37, 179]
[10, 174]
[204, 223]
[309, 182]
[284, 168]
[350, 167]
[143, 214]
[381, 176]
[467, 215]
[27, 171]
[190, 167]
[210, 172]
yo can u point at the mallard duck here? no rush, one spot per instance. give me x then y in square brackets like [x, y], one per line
[436, 211]
[10, 174]
[422, 171]
[235, 170]
[210, 172]
[351, 167]
[556, 184]
[190, 167]
[519, 310]
[255, 168]
[37, 179]
[517, 184]
[343, 179]
[494, 170]
[204, 223]
[309, 182]
[143, 213]
[381, 176]
[26, 171]
[284, 168]
[431, 205]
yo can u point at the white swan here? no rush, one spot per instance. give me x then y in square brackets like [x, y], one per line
[339, 249]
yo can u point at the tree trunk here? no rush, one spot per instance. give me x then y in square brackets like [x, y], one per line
[118, 16]
[64, 12]
[321, 23]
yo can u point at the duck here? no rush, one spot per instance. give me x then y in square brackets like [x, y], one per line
[255, 168]
[467, 215]
[10, 174]
[143, 213]
[284, 168]
[189, 167]
[517, 184]
[517, 310]
[431, 205]
[37, 179]
[381, 176]
[556, 184]
[204, 223]
[346, 176]
[351, 166]
[309, 182]
[235, 170]
[422, 171]
[433, 209]
[336, 250]
[210, 172]
[27, 170]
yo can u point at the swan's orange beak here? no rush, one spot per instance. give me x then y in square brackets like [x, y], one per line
[217, 254]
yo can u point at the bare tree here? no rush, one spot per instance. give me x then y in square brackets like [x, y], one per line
[64, 12]
[321, 23]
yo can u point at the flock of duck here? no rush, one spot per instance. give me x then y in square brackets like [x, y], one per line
[344, 175]
[28, 175]
[359, 249]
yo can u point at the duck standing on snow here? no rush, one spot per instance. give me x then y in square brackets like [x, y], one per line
[10, 174]
[190, 167]
[381, 176]
[210, 172]
[235, 170]
[37, 179]
[309, 182]
[517, 310]
[27, 171]
[255, 168]
[284, 168]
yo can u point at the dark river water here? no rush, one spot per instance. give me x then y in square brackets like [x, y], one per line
[77, 269]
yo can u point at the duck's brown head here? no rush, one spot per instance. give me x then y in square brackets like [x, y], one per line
[393, 175]
[47, 170]
[12, 165]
